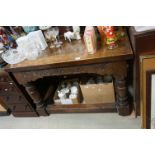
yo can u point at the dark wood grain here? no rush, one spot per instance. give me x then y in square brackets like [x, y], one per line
[114, 68]
[70, 52]
[12, 97]
[72, 59]
[80, 108]
[25, 114]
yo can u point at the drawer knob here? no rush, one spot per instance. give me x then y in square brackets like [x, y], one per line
[11, 83]
[5, 89]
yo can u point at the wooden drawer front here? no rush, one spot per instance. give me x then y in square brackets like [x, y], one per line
[19, 108]
[23, 108]
[25, 114]
[4, 77]
[9, 87]
[14, 99]
[11, 107]
[21, 105]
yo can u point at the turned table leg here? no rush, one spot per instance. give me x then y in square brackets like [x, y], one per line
[122, 96]
[36, 97]
[34, 94]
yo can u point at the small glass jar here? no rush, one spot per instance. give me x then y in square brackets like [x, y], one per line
[111, 38]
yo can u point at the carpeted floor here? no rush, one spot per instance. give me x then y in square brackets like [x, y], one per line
[72, 121]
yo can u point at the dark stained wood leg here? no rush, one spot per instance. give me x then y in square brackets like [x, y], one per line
[42, 111]
[34, 94]
[122, 98]
[37, 99]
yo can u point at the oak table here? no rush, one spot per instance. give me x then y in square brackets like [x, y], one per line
[72, 59]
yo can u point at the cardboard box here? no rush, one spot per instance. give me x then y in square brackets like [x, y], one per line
[98, 93]
[2, 109]
[67, 101]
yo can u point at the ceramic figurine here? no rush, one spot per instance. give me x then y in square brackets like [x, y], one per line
[61, 95]
[111, 39]
[74, 90]
[69, 36]
[65, 90]
[76, 30]
[73, 96]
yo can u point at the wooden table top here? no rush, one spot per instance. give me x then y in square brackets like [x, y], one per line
[74, 54]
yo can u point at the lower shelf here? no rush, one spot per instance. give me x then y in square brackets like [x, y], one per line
[25, 114]
[81, 108]
[6, 113]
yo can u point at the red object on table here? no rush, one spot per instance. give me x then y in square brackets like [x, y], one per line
[111, 39]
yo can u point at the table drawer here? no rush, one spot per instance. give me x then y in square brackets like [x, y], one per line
[25, 114]
[23, 108]
[14, 99]
[4, 77]
[19, 108]
[8, 87]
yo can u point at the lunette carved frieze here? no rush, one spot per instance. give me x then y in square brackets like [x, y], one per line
[114, 68]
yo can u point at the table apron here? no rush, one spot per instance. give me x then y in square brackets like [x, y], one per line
[112, 68]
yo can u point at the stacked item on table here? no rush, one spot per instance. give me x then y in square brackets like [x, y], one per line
[90, 39]
[110, 36]
[6, 42]
[32, 44]
[68, 92]
[29, 47]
